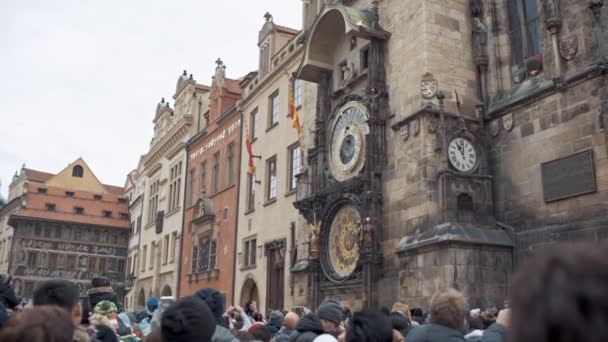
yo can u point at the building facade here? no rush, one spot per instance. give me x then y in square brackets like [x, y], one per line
[210, 202]
[266, 236]
[448, 146]
[163, 177]
[70, 226]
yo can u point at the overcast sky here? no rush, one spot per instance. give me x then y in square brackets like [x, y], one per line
[82, 78]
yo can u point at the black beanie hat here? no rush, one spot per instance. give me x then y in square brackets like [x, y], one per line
[187, 320]
[331, 311]
[215, 302]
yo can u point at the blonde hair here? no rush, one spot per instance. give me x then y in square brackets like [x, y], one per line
[449, 309]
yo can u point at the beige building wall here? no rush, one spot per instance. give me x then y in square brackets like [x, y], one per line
[274, 220]
[163, 177]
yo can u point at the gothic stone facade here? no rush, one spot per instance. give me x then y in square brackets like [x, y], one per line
[474, 136]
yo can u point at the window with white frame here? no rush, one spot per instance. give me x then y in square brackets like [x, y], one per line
[175, 182]
[295, 165]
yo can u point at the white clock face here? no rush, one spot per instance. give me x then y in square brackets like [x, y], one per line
[347, 141]
[462, 155]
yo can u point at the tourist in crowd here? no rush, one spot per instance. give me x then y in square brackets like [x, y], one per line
[8, 297]
[562, 296]
[144, 317]
[260, 332]
[289, 326]
[215, 302]
[275, 321]
[188, 320]
[101, 289]
[308, 328]
[400, 324]
[330, 315]
[369, 326]
[47, 323]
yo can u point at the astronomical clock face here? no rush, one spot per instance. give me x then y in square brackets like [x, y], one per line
[462, 155]
[347, 141]
[342, 242]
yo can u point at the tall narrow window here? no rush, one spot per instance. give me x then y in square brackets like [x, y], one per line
[152, 252]
[295, 165]
[250, 191]
[175, 186]
[191, 198]
[77, 171]
[203, 185]
[153, 201]
[173, 246]
[144, 256]
[230, 164]
[253, 124]
[166, 250]
[216, 172]
[297, 92]
[271, 179]
[524, 32]
[273, 115]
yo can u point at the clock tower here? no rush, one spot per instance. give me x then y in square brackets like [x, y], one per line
[342, 201]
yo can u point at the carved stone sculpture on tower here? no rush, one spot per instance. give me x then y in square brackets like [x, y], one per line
[313, 249]
[480, 42]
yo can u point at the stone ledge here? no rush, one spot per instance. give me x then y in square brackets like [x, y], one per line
[452, 232]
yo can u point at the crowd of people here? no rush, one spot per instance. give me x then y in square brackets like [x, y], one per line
[559, 296]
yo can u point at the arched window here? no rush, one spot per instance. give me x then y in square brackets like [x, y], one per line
[465, 203]
[77, 171]
[524, 31]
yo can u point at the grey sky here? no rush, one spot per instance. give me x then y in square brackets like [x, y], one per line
[82, 78]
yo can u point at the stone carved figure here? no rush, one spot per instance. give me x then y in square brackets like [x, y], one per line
[347, 75]
[367, 235]
[551, 8]
[480, 40]
[313, 249]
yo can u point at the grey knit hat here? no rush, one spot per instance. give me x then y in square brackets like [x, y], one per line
[331, 311]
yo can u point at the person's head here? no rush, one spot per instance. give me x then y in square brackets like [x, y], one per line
[564, 290]
[276, 317]
[152, 304]
[291, 320]
[258, 317]
[330, 314]
[61, 293]
[187, 320]
[449, 308]
[416, 312]
[369, 326]
[46, 323]
[261, 333]
[215, 302]
[398, 322]
[402, 309]
[105, 308]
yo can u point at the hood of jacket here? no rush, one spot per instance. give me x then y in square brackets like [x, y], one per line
[434, 333]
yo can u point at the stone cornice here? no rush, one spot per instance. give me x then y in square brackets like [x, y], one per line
[168, 142]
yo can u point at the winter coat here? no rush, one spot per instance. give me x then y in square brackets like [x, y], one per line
[97, 294]
[283, 334]
[8, 297]
[495, 333]
[222, 334]
[434, 333]
[308, 328]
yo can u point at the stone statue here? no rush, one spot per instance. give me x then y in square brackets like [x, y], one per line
[313, 249]
[480, 40]
[551, 8]
[201, 204]
[367, 235]
[347, 75]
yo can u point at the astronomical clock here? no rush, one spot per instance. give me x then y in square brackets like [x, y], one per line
[348, 132]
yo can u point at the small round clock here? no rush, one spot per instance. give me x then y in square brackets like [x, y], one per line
[462, 154]
[342, 242]
[347, 140]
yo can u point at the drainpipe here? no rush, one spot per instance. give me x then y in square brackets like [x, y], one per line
[182, 233]
[236, 224]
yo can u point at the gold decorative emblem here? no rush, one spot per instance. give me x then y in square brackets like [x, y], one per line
[343, 242]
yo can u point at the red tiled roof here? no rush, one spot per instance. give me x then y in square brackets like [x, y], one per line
[115, 190]
[37, 176]
[285, 29]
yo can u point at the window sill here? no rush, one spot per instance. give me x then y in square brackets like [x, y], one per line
[270, 201]
[207, 275]
[248, 268]
[290, 193]
[172, 212]
[249, 211]
[221, 190]
[272, 126]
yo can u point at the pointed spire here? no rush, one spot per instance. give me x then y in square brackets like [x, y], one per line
[268, 16]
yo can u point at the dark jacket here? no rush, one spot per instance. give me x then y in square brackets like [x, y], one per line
[308, 328]
[222, 334]
[495, 333]
[434, 333]
[8, 297]
[97, 294]
[283, 335]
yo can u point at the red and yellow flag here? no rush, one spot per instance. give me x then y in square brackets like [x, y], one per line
[251, 166]
[293, 111]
